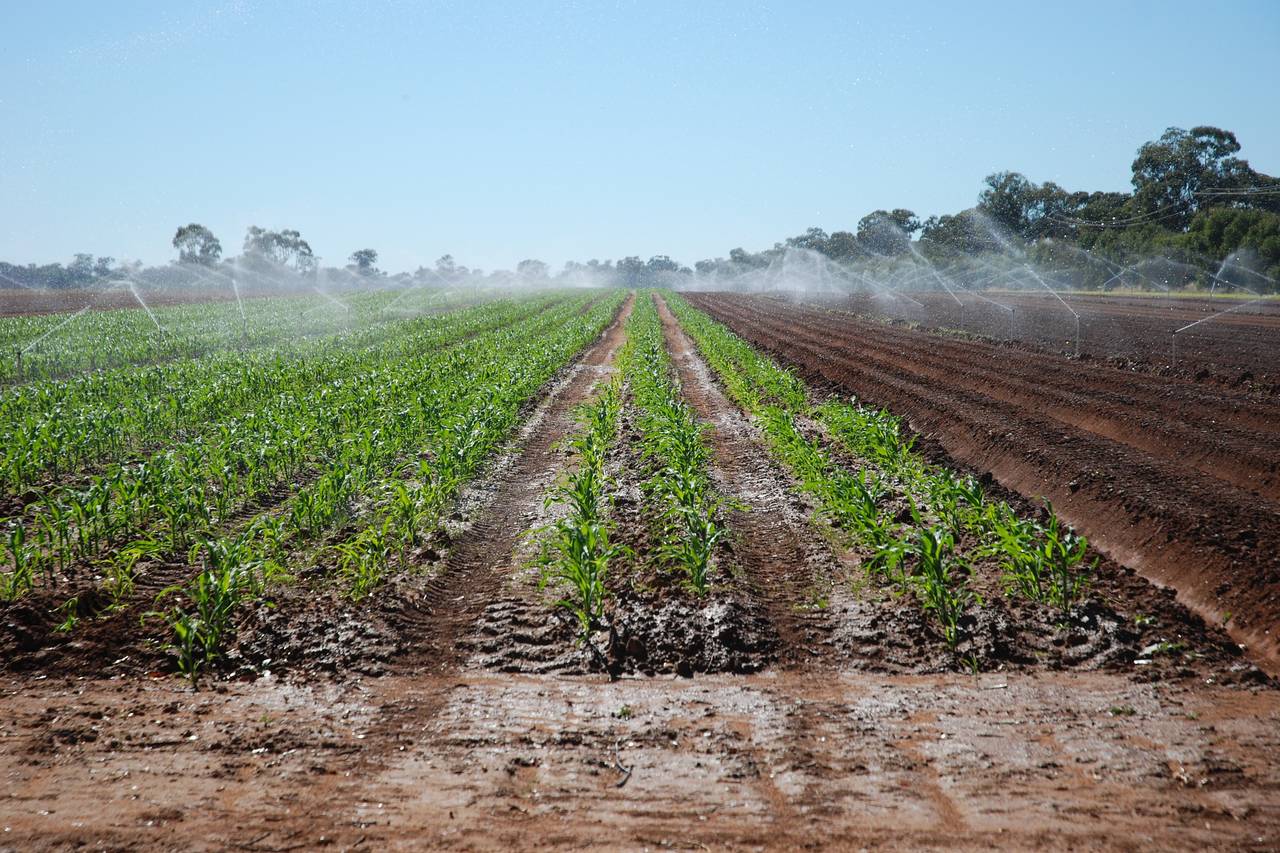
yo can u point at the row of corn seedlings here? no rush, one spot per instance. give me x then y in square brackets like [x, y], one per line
[405, 480]
[344, 429]
[1042, 561]
[579, 546]
[474, 421]
[55, 427]
[673, 444]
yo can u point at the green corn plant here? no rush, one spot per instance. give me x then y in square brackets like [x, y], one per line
[22, 560]
[202, 624]
[120, 571]
[578, 555]
[1044, 562]
[579, 549]
[363, 561]
[673, 444]
[939, 581]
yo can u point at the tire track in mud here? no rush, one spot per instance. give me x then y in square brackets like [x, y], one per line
[774, 548]
[477, 566]
[1218, 546]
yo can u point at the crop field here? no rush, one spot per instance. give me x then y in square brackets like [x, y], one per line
[638, 569]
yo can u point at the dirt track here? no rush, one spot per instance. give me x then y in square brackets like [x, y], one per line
[443, 751]
[1176, 479]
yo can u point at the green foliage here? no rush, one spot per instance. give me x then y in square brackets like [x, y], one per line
[579, 549]
[1043, 562]
[674, 447]
[939, 581]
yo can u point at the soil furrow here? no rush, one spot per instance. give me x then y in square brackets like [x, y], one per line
[1247, 458]
[1219, 547]
[479, 562]
[773, 549]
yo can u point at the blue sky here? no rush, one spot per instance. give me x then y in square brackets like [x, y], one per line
[501, 131]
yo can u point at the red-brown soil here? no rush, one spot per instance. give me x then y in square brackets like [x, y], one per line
[471, 760]
[1176, 479]
[1241, 347]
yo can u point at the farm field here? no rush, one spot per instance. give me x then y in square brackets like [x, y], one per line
[625, 568]
[1237, 348]
[1174, 477]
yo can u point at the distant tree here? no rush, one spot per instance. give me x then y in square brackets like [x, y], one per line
[1222, 231]
[745, 260]
[197, 245]
[1171, 173]
[531, 268]
[445, 267]
[962, 233]
[906, 220]
[286, 248]
[631, 271]
[365, 261]
[842, 245]
[813, 239]
[102, 267]
[1027, 210]
[81, 267]
[880, 233]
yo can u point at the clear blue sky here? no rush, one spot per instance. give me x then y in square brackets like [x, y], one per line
[500, 131]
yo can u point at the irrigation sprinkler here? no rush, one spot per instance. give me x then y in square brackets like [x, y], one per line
[1057, 296]
[1174, 336]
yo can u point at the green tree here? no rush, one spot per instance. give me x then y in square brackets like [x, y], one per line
[532, 268]
[285, 248]
[197, 245]
[1222, 231]
[365, 261]
[880, 233]
[1171, 174]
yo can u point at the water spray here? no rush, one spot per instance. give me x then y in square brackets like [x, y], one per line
[133, 290]
[1074, 314]
[1174, 336]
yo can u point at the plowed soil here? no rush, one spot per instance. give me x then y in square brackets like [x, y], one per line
[1175, 479]
[1235, 348]
[789, 708]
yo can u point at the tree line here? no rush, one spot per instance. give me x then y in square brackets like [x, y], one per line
[1194, 202]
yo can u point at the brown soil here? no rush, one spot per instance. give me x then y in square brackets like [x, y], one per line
[779, 761]
[1171, 478]
[1238, 349]
[460, 713]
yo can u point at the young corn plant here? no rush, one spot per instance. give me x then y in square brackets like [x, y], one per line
[22, 561]
[939, 581]
[1045, 562]
[203, 622]
[579, 550]
[363, 561]
[673, 444]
